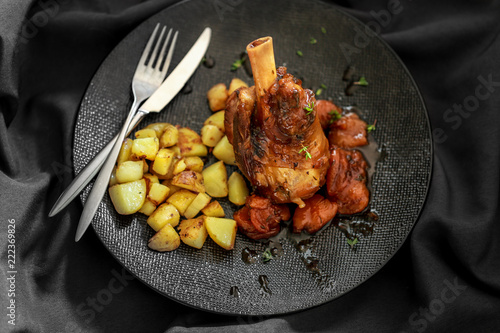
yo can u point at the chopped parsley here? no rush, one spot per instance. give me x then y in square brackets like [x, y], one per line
[313, 40]
[323, 30]
[299, 53]
[334, 115]
[267, 255]
[309, 108]
[371, 127]
[307, 154]
[352, 242]
[361, 82]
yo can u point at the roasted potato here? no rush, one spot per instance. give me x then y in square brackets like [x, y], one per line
[147, 208]
[145, 148]
[150, 179]
[222, 231]
[193, 163]
[181, 199]
[238, 190]
[125, 151]
[165, 214]
[190, 143]
[163, 161]
[179, 166]
[235, 84]
[215, 180]
[211, 135]
[128, 198]
[217, 97]
[129, 171]
[190, 180]
[145, 133]
[213, 209]
[158, 193]
[200, 202]
[169, 137]
[166, 239]
[158, 128]
[193, 232]
[217, 119]
[224, 151]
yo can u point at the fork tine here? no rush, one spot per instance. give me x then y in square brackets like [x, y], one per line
[169, 55]
[153, 61]
[147, 49]
[163, 48]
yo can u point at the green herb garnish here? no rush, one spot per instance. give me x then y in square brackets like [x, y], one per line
[309, 108]
[237, 64]
[313, 40]
[371, 127]
[362, 82]
[334, 115]
[299, 53]
[352, 242]
[267, 255]
[304, 150]
[323, 30]
[318, 92]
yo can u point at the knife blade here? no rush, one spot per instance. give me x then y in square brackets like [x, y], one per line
[160, 98]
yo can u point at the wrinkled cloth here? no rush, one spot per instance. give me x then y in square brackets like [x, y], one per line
[445, 278]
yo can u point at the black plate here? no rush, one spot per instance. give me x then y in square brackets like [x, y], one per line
[327, 267]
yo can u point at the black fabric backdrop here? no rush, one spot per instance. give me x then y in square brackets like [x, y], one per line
[446, 277]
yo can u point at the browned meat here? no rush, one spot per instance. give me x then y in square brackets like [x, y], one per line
[346, 181]
[259, 218]
[279, 144]
[348, 132]
[317, 212]
[324, 111]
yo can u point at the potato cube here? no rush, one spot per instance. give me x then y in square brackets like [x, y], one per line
[190, 180]
[193, 232]
[163, 161]
[200, 202]
[217, 97]
[145, 148]
[158, 128]
[163, 215]
[217, 119]
[169, 137]
[215, 180]
[213, 209]
[211, 135]
[158, 193]
[193, 163]
[173, 188]
[166, 239]
[190, 143]
[181, 200]
[147, 208]
[129, 171]
[224, 151]
[235, 84]
[222, 231]
[128, 198]
[150, 179]
[180, 166]
[238, 190]
[125, 151]
[112, 178]
[145, 133]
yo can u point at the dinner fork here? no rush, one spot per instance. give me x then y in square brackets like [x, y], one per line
[150, 73]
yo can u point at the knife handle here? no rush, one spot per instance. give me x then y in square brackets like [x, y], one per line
[90, 170]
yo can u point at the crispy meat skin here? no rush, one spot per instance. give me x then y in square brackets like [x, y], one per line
[259, 218]
[346, 181]
[269, 140]
[348, 132]
[317, 212]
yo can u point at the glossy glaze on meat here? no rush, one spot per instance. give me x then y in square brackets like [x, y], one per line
[346, 181]
[348, 132]
[317, 212]
[279, 145]
[259, 218]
